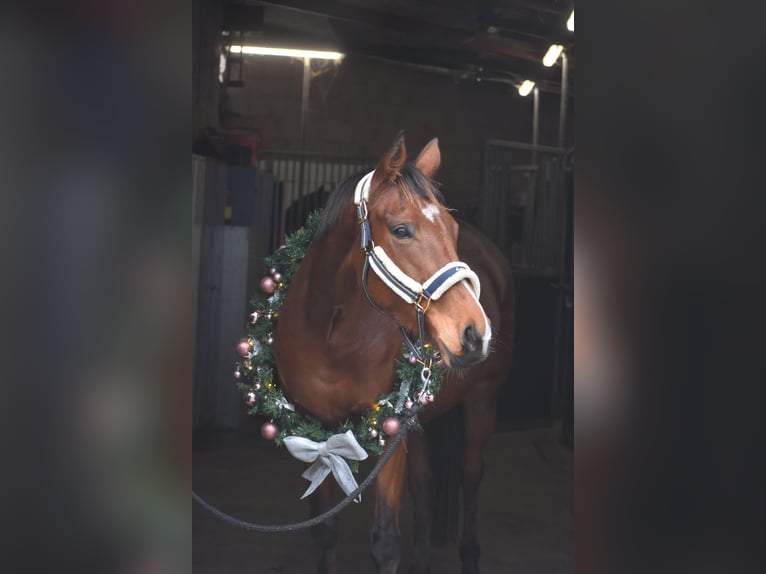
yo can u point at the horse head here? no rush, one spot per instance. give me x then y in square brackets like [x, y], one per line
[415, 237]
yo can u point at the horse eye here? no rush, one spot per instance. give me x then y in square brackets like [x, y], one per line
[401, 232]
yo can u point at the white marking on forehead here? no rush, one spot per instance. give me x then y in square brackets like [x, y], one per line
[430, 211]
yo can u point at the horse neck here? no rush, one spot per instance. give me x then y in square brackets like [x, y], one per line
[335, 303]
[334, 350]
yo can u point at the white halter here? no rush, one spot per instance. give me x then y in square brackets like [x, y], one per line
[412, 291]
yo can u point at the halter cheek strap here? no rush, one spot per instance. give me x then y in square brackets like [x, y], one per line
[411, 291]
[361, 196]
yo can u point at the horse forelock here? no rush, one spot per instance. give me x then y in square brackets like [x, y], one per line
[410, 183]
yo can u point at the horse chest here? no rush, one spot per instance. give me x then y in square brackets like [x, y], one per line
[334, 390]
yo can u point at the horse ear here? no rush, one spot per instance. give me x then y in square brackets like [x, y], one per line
[392, 161]
[430, 158]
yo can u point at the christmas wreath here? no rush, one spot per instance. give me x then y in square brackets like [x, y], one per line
[417, 380]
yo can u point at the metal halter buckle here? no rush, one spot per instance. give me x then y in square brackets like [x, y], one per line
[419, 303]
[361, 212]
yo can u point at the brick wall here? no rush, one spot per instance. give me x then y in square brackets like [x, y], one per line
[357, 107]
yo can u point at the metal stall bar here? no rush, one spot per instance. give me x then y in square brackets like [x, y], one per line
[302, 185]
[523, 208]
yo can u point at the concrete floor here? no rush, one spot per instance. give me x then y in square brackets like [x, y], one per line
[525, 514]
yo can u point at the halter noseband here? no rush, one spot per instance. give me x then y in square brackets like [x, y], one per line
[413, 292]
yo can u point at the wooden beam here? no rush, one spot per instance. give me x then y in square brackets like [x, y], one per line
[436, 34]
[555, 7]
[529, 28]
[242, 18]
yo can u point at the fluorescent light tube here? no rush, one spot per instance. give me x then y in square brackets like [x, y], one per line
[289, 52]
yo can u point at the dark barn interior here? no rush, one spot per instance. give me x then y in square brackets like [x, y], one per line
[273, 136]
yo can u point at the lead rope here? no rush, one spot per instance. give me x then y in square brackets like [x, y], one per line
[410, 423]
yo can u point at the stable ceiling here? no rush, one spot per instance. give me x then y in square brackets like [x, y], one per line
[486, 40]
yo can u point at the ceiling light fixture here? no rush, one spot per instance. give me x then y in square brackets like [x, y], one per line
[552, 55]
[526, 87]
[289, 52]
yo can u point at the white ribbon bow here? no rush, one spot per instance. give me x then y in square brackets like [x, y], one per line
[327, 457]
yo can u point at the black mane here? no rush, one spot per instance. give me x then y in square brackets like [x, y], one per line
[409, 180]
[336, 203]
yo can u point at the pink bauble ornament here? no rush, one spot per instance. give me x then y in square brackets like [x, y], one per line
[272, 271]
[277, 277]
[391, 426]
[243, 348]
[408, 404]
[269, 431]
[423, 399]
[268, 285]
[413, 359]
[237, 374]
[250, 399]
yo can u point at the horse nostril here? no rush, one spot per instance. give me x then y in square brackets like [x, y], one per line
[471, 339]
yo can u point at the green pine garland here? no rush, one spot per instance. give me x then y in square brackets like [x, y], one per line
[256, 377]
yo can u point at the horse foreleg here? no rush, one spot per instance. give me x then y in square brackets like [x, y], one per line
[326, 534]
[419, 480]
[480, 416]
[384, 536]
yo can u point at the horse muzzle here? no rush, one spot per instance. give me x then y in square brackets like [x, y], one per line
[473, 349]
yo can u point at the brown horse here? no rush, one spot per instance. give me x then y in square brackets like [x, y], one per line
[335, 351]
